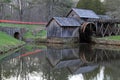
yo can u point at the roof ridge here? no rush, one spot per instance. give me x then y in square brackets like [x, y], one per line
[83, 9]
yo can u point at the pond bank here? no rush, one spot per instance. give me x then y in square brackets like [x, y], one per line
[103, 41]
[8, 43]
[106, 47]
[106, 41]
[11, 48]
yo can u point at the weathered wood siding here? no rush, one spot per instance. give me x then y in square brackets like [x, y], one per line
[74, 15]
[53, 29]
[67, 31]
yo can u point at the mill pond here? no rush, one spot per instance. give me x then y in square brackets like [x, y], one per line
[61, 62]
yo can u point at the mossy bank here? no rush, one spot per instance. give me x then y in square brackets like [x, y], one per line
[110, 40]
[8, 43]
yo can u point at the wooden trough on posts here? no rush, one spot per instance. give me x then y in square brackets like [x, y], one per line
[106, 26]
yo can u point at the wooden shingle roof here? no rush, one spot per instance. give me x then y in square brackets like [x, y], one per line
[63, 21]
[67, 21]
[84, 13]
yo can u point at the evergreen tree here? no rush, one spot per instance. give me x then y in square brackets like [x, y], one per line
[95, 5]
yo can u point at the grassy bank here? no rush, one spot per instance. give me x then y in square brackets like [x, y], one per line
[112, 38]
[8, 43]
[109, 40]
[33, 31]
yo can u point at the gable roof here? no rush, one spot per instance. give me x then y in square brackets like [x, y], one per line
[84, 13]
[63, 21]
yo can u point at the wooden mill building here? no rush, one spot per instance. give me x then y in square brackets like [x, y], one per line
[61, 27]
[80, 25]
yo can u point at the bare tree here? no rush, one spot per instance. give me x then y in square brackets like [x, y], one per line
[31, 10]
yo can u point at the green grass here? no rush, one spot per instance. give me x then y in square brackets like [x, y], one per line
[33, 31]
[112, 38]
[41, 34]
[7, 42]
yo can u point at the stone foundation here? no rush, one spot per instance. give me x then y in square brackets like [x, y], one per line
[62, 40]
[13, 30]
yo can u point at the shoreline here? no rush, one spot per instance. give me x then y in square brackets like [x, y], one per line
[98, 41]
[9, 43]
[11, 48]
[106, 41]
[11, 51]
[72, 41]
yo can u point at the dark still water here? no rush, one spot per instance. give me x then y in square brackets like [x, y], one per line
[56, 62]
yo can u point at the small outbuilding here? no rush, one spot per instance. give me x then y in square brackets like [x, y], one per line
[62, 27]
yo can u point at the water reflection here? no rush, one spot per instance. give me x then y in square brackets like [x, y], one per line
[61, 62]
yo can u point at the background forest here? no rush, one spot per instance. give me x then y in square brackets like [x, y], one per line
[44, 10]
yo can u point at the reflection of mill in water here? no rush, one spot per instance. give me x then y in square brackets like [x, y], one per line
[81, 59]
